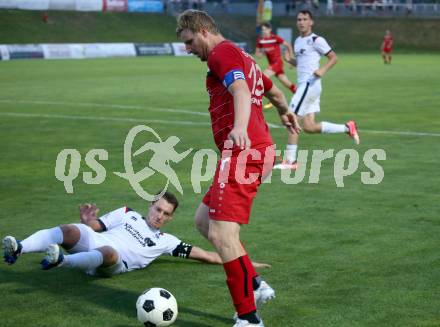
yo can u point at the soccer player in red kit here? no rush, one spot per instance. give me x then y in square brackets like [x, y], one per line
[387, 47]
[235, 86]
[270, 45]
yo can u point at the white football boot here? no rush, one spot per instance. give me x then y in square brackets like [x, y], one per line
[11, 249]
[54, 257]
[245, 323]
[263, 294]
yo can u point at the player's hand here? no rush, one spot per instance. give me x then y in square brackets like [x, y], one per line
[290, 121]
[88, 212]
[261, 265]
[291, 61]
[319, 73]
[240, 138]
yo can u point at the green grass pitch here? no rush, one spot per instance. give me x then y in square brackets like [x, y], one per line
[362, 255]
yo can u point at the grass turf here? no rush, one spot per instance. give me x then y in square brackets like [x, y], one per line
[362, 255]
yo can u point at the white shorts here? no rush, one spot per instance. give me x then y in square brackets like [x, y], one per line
[306, 99]
[90, 240]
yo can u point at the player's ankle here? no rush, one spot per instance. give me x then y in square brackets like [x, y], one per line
[256, 282]
[251, 317]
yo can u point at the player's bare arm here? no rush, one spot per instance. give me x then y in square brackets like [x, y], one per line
[89, 216]
[242, 111]
[205, 256]
[213, 258]
[288, 54]
[288, 119]
[292, 61]
[332, 59]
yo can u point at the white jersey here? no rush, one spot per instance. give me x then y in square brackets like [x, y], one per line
[137, 243]
[308, 52]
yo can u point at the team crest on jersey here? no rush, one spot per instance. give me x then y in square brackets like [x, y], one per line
[310, 41]
[149, 242]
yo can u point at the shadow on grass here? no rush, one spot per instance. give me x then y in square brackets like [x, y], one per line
[86, 289]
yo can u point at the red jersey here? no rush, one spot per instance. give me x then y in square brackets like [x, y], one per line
[226, 64]
[271, 46]
[387, 43]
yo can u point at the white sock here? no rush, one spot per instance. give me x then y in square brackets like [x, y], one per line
[290, 153]
[39, 241]
[327, 128]
[84, 260]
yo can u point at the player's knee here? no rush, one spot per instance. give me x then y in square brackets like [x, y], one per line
[71, 235]
[307, 129]
[310, 127]
[201, 220]
[68, 230]
[109, 255]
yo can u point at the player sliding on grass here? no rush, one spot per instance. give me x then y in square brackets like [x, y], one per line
[270, 45]
[309, 48]
[118, 242]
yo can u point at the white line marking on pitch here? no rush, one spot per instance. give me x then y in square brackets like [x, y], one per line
[134, 107]
[104, 105]
[122, 119]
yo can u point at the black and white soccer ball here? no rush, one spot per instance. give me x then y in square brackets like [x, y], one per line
[156, 307]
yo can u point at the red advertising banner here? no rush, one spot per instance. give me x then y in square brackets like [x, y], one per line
[115, 5]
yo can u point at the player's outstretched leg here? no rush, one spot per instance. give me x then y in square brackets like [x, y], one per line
[352, 131]
[11, 249]
[289, 160]
[54, 257]
[286, 165]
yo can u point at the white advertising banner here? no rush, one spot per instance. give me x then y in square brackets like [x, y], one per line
[77, 51]
[4, 53]
[115, 5]
[62, 4]
[57, 51]
[285, 33]
[179, 49]
[33, 4]
[89, 5]
[25, 51]
[104, 50]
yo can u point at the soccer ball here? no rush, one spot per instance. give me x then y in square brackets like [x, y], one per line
[156, 307]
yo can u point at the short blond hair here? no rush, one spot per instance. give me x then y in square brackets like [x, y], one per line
[195, 21]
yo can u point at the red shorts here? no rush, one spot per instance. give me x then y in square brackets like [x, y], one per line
[387, 50]
[277, 67]
[233, 189]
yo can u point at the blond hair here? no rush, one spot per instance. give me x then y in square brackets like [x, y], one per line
[195, 21]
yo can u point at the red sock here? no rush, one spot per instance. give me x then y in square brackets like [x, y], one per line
[239, 274]
[253, 272]
[292, 88]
